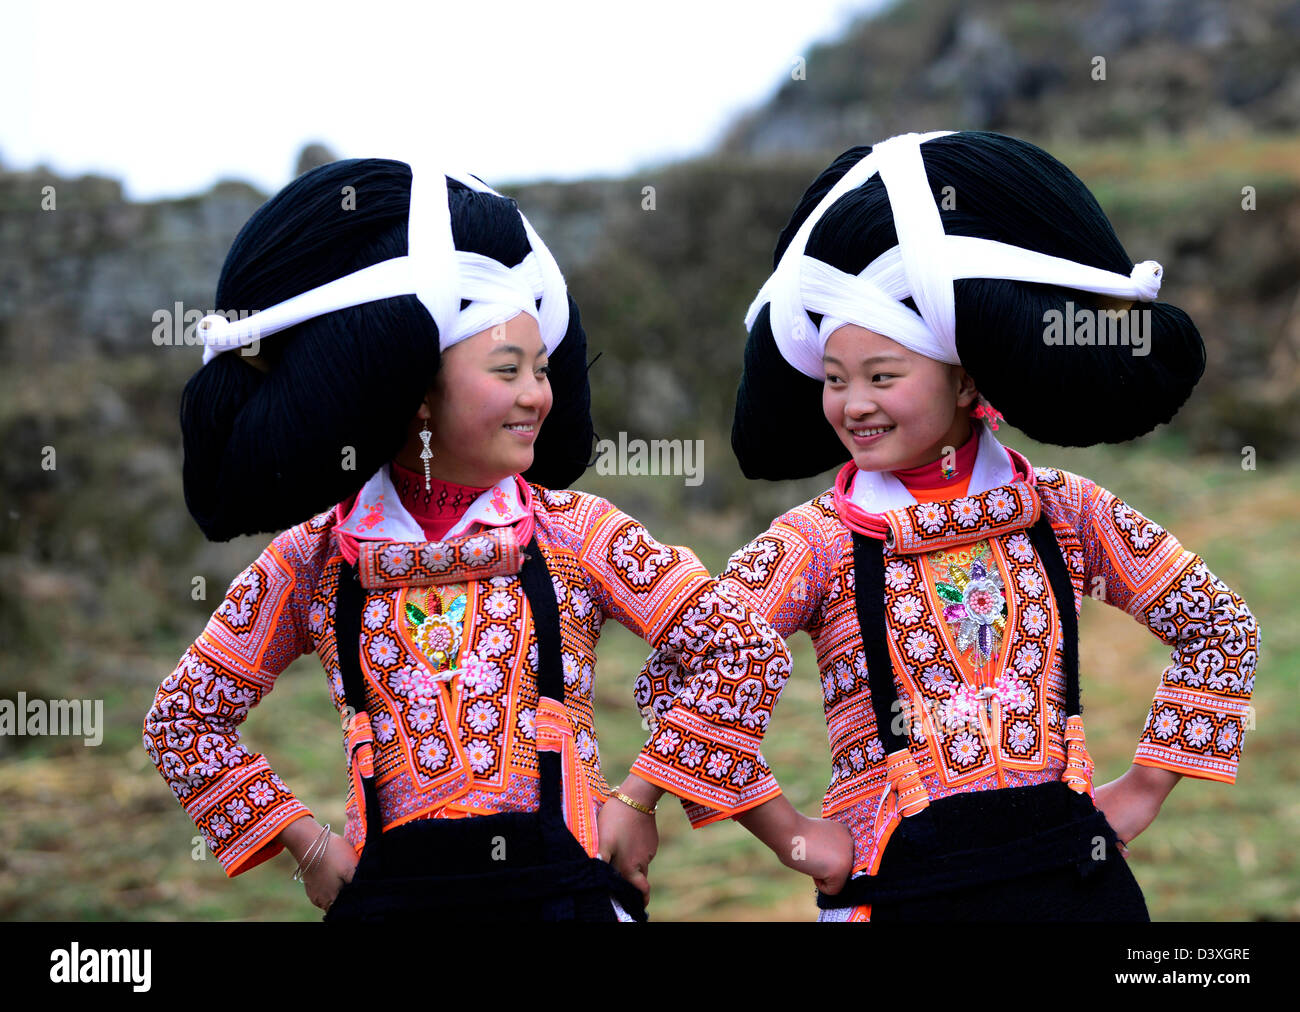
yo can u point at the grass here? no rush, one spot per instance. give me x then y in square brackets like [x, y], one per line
[94, 833]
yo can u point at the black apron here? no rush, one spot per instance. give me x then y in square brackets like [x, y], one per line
[512, 866]
[1040, 853]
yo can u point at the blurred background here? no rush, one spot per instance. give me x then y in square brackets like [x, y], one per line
[159, 140]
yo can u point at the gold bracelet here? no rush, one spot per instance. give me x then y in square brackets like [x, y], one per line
[633, 803]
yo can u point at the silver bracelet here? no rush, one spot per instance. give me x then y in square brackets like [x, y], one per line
[321, 841]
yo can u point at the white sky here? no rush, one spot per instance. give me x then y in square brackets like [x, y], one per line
[170, 97]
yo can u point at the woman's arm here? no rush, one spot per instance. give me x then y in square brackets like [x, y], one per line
[1198, 717]
[191, 732]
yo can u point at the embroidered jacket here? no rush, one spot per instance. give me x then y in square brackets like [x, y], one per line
[969, 607]
[443, 746]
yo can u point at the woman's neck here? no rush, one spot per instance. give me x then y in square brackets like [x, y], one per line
[948, 469]
[439, 506]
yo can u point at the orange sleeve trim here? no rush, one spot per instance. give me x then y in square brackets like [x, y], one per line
[267, 852]
[1187, 771]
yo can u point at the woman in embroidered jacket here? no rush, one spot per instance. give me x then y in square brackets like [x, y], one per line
[442, 278]
[913, 281]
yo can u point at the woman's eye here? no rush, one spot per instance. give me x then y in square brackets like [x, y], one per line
[510, 369]
[886, 375]
[544, 371]
[832, 379]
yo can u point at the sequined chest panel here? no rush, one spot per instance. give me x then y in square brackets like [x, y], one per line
[974, 638]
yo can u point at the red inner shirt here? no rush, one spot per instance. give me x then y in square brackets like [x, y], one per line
[438, 509]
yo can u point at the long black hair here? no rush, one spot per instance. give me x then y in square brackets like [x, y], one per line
[1013, 192]
[269, 448]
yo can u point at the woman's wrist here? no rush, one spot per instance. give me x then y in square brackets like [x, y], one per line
[778, 825]
[1153, 781]
[643, 792]
[299, 835]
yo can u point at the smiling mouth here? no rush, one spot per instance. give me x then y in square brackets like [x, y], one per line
[522, 427]
[876, 430]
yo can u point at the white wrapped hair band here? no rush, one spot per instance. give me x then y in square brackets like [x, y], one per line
[434, 271]
[922, 266]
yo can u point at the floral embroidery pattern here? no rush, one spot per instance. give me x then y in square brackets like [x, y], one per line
[976, 606]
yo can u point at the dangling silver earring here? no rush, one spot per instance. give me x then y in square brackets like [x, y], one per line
[426, 455]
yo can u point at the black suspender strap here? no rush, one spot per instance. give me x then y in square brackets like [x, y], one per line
[1049, 550]
[348, 604]
[535, 578]
[869, 595]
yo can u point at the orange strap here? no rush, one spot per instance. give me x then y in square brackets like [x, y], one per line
[1078, 764]
[555, 734]
[905, 778]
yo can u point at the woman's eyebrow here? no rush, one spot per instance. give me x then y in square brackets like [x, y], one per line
[514, 349]
[866, 361]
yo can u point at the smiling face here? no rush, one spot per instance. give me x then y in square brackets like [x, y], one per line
[890, 406]
[486, 406]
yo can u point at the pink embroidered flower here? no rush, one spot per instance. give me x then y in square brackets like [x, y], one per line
[898, 575]
[1001, 505]
[433, 753]
[395, 560]
[907, 609]
[527, 723]
[963, 706]
[966, 511]
[719, 763]
[495, 640]
[692, 753]
[667, 742]
[1030, 582]
[1198, 731]
[1021, 737]
[964, 749]
[478, 677]
[1028, 658]
[438, 636]
[376, 614]
[931, 516]
[1020, 548]
[481, 755]
[436, 556]
[1166, 724]
[383, 651]
[921, 645]
[482, 716]
[1014, 694]
[479, 551]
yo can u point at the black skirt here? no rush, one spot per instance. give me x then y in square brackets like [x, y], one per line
[1039, 853]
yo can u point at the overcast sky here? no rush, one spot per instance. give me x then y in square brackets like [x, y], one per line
[170, 97]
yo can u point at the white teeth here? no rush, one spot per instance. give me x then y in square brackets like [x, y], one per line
[870, 432]
[520, 428]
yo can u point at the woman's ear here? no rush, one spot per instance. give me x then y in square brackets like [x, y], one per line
[966, 392]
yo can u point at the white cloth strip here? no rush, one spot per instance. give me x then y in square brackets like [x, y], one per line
[922, 267]
[439, 275]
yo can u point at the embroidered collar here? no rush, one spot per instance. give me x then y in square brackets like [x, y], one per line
[376, 518]
[1001, 498]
